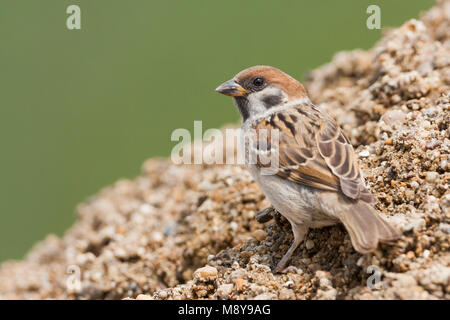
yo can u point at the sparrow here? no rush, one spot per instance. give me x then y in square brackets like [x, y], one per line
[317, 181]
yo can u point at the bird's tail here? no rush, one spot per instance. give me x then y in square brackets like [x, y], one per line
[366, 227]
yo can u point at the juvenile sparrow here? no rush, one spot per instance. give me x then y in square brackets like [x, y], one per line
[317, 181]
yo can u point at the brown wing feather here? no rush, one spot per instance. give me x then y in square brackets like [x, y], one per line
[338, 153]
[313, 151]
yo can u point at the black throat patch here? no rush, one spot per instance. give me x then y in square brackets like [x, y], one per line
[242, 104]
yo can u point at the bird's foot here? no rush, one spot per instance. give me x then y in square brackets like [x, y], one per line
[276, 217]
[299, 234]
[281, 265]
[265, 215]
[279, 241]
[268, 214]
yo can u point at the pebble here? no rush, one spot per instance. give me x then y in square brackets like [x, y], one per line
[329, 294]
[234, 226]
[415, 224]
[410, 255]
[445, 227]
[266, 296]
[240, 284]
[286, 294]
[360, 262]
[309, 244]
[259, 234]
[392, 117]
[205, 274]
[414, 184]
[365, 153]
[144, 297]
[443, 164]
[225, 290]
[432, 176]
[157, 236]
[238, 274]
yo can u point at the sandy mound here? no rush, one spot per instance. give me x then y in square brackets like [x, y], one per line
[179, 232]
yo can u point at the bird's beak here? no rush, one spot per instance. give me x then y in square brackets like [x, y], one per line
[231, 88]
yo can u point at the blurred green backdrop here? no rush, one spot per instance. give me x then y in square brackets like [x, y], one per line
[83, 108]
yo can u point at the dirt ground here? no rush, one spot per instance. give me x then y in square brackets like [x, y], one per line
[188, 232]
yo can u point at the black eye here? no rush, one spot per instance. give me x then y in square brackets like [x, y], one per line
[258, 82]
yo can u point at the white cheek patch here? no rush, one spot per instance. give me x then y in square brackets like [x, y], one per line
[256, 103]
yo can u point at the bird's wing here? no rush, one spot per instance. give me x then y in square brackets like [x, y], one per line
[312, 151]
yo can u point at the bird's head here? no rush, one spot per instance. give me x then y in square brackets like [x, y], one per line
[259, 89]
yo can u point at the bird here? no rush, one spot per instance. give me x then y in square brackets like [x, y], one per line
[316, 181]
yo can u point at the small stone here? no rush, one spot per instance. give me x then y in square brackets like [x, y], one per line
[120, 253]
[259, 234]
[225, 290]
[286, 294]
[146, 208]
[360, 262]
[433, 144]
[444, 227]
[365, 153]
[415, 224]
[238, 274]
[410, 255]
[443, 164]
[392, 117]
[157, 236]
[201, 292]
[234, 226]
[431, 176]
[309, 244]
[144, 297]
[240, 284]
[266, 296]
[205, 274]
[404, 280]
[329, 294]
[414, 184]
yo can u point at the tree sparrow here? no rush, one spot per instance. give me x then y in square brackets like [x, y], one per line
[317, 181]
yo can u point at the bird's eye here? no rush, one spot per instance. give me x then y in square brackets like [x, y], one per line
[258, 81]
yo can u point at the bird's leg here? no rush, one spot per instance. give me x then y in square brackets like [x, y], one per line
[265, 215]
[275, 248]
[268, 214]
[299, 231]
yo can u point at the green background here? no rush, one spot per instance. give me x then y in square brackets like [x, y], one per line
[80, 109]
